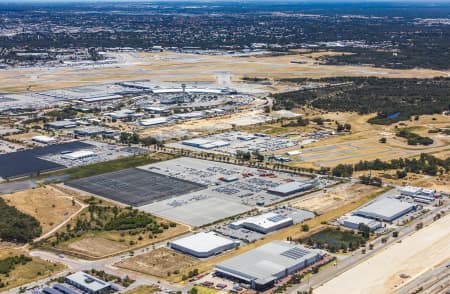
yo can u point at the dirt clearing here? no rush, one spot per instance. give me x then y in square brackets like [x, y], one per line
[323, 201]
[161, 262]
[97, 246]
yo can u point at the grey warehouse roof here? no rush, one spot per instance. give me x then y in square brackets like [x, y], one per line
[386, 208]
[263, 263]
[88, 281]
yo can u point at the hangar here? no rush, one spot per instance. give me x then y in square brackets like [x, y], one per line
[264, 265]
[290, 188]
[203, 244]
[386, 209]
[264, 223]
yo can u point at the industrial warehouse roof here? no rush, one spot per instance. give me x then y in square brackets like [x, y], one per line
[265, 221]
[203, 242]
[44, 139]
[88, 281]
[289, 188]
[386, 208]
[354, 219]
[78, 154]
[153, 121]
[264, 262]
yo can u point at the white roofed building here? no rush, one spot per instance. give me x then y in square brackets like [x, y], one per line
[386, 209]
[88, 283]
[290, 188]
[263, 266]
[43, 139]
[203, 244]
[264, 223]
[77, 155]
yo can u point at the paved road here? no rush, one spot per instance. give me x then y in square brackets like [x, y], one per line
[432, 281]
[74, 264]
[357, 257]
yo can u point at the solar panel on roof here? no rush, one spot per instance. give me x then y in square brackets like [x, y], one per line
[295, 253]
[276, 218]
[64, 289]
[48, 290]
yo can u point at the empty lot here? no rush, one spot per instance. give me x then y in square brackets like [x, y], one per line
[161, 262]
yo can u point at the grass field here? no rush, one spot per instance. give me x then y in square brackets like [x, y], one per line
[205, 290]
[109, 166]
[49, 205]
[170, 66]
[23, 274]
[161, 262]
[363, 141]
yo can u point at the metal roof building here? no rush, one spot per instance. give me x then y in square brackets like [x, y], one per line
[203, 244]
[87, 283]
[290, 188]
[264, 223]
[353, 222]
[386, 209]
[44, 139]
[264, 265]
[81, 154]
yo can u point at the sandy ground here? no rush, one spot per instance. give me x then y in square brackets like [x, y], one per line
[158, 262]
[381, 273]
[169, 66]
[363, 142]
[48, 205]
[96, 246]
[333, 197]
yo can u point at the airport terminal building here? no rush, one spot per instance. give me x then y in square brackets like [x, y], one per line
[264, 265]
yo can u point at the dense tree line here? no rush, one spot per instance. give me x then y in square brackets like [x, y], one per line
[426, 164]
[413, 138]
[392, 99]
[16, 226]
[8, 264]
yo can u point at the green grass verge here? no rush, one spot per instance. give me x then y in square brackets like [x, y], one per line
[107, 166]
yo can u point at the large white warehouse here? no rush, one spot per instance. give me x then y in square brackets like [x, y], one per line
[264, 223]
[203, 244]
[264, 265]
[386, 209]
